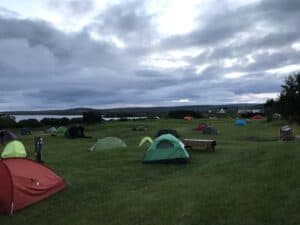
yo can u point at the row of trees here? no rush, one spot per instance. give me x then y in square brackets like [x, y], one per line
[10, 123]
[179, 114]
[288, 102]
[88, 117]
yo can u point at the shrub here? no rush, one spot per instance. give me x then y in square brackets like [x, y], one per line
[29, 123]
[179, 114]
[91, 117]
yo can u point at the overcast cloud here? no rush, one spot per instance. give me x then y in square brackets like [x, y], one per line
[62, 54]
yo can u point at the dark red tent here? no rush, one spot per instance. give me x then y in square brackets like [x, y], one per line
[257, 117]
[24, 182]
[201, 127]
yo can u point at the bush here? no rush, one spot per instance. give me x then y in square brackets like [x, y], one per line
[55, 121]
[179, 114]
[75, 120]
[91, 117]
[7, 122]
[29, 123]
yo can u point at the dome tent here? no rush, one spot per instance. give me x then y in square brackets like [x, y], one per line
[166, 148]
[14, 149]
[145, 140]
[188, 118]
[61, 129]
[201, 127]
[51, 130]
[240, 122]
[108, 143]
[257, 117]
[6, 136]
[25, 182]
[210, 130]
[167, 131]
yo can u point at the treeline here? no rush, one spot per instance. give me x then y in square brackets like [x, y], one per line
[33, 123]
[180, 114]
[87, 117]
[288, 102]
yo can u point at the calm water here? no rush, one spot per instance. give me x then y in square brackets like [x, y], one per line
[40, 117]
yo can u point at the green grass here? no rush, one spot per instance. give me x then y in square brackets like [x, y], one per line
[252, 178]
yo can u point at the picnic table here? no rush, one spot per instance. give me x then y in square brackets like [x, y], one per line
[199, 144]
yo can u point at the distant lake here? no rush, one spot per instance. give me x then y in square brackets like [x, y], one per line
[40, 117]
[127, 118]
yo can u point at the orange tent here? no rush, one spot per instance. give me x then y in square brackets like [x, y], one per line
[257, 117]
[188, 118]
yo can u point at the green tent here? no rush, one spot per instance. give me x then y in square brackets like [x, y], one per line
[14, 149]
[166, 148]
[145, 140]
[51, 130]
[108, 143]
[210, 130]
[61, 129]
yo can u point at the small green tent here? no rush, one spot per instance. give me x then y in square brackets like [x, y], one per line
[61, 129]
[108, 143]
[51, 130]
[145, 140]
[14, 149]
[166, 148]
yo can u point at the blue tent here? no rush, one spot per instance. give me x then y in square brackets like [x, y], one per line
[240, 122]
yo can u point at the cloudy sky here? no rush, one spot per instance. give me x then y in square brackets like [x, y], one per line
[115, 53]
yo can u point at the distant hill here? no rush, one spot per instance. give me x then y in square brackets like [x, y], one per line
[138, 111]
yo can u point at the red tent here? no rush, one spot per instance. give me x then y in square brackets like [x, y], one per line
[257, 117]
[24, 182]
[201, 127]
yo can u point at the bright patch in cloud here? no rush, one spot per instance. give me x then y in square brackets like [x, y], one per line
[256, 98]
[175, 17]
[235, 75]
[230, 62]
[296, 46]
[201, 68]
[184, 100]
[285, 69]
[164, 64]
[179, 54]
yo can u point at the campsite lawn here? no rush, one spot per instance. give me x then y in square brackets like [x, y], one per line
[252, 178]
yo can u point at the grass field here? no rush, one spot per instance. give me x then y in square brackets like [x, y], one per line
[252, 178]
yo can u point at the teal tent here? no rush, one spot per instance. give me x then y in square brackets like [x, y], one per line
[240, 122]
[166, 148]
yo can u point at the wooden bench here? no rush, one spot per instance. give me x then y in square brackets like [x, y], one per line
[199, 144]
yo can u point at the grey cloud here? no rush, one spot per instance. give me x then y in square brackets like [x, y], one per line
[129, 21]
[56, 69]
[74, 7]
